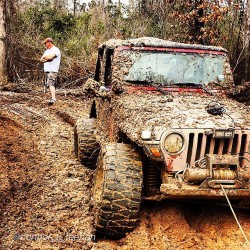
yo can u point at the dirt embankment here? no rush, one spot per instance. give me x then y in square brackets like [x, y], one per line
[46, 194]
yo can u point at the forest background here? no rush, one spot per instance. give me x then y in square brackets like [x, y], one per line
[78, 28]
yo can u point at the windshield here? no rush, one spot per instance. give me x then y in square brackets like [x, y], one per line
[167, 68]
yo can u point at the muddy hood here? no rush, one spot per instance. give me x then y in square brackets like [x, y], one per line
[139, 112]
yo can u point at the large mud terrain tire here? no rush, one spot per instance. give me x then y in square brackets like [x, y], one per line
[117, 190]
[86, 145]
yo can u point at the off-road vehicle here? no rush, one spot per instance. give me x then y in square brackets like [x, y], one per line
[162, 126]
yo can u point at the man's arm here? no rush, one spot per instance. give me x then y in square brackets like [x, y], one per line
[47, 58]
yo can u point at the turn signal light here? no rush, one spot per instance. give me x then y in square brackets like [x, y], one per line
[155, 152]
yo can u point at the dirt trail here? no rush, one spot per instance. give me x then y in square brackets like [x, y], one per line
[46, 194]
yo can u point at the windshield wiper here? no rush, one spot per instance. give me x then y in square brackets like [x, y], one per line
[196, 84]
[151, 84]
[158, 88]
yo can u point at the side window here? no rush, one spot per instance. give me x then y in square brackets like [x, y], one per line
[108, 67]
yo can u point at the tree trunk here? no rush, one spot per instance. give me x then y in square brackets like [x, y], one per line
[2, 41]
[143, 7]
[196, 30]
[246, 42]
[75, 6]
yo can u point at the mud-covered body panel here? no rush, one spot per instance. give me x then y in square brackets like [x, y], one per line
[136, 112]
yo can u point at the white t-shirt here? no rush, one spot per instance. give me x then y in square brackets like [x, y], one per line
[52, 66]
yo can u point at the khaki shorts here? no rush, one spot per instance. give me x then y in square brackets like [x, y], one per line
[51, 78]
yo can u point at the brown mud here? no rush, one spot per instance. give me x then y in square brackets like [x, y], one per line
[46, 194]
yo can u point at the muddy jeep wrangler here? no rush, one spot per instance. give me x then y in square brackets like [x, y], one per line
[161, 126]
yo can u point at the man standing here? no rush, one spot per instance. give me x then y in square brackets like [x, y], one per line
[51, 59]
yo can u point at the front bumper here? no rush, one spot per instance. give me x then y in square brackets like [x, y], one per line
[180, 190]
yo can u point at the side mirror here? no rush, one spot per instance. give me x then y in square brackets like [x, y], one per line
[117, 86]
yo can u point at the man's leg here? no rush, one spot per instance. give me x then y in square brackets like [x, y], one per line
[53, 92]
[45, 84]
[51, 79]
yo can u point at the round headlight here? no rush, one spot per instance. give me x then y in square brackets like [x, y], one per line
[173, 143]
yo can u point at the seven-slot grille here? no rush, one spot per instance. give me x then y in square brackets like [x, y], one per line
[199, 144]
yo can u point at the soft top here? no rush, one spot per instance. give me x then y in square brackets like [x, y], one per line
[155, 42]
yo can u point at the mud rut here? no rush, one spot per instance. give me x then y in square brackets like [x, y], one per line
[46, 194]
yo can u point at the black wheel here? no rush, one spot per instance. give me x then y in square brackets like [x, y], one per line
[117, 190]
[86, 145]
